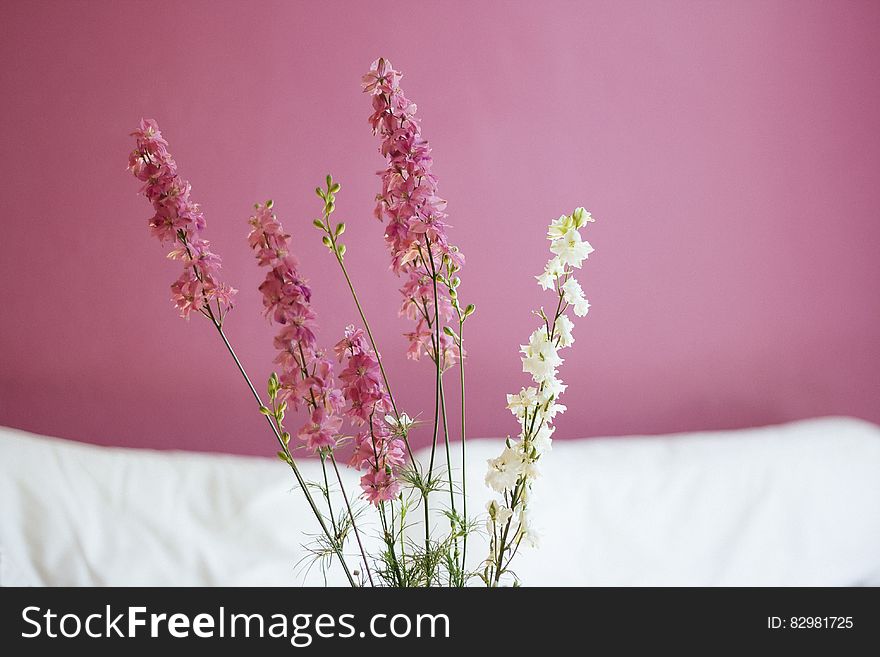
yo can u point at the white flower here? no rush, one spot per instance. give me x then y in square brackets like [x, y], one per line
[571, 249]
[499, 513]
[552, 270]
[553, 409]
[504, 470]
[574, 294]
[531, 470]
[553, 387]
[526, 399]
[563, 330]
[559, 227]
[400, 426]
[526, 532]
[541, 441]
[540, 358]
[581, 217]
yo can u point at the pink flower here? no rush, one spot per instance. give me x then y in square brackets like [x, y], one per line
[321, 429]
[376, 449]
[361, 379]
[379, 486]
[179, 221]
[381, 78]
[415, 230]
[306, 374]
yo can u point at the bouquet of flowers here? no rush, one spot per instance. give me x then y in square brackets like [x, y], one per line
[422, 523]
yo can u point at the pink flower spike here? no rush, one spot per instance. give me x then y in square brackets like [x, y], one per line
[414, 214]
[306, 376]
[179, 221]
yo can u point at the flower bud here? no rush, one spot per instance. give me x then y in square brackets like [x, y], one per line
[340, 229]
[319, 224]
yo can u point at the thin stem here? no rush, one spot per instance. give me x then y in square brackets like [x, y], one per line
[291, 462]
[327, 493]
[463, 445]
[499, 571]
[452, 520]
[357, 534]
[435, 341]
[389, 542]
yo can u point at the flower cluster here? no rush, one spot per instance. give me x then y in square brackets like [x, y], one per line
[378, 449]
[306, 374]
[536, 406]
[180, 221]
[415, 232]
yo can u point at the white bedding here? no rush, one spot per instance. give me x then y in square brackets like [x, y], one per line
[795, 504]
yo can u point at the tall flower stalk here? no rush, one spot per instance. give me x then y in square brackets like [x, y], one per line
[512, 473]
[415, 234]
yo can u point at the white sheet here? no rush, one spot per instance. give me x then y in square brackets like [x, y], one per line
[796, 504]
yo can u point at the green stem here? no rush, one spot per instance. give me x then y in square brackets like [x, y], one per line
[435, 341]
[388, 537]
[290, 460]
[463, 446]
[327, 494]
[353, 523]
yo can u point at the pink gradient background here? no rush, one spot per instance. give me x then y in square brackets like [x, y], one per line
[730, 152]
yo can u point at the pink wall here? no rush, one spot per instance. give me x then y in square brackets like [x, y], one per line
[730, 151]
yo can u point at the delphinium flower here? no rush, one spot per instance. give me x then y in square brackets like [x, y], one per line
[415, 231]
[377, 448]
[179, 221]
[306, 377]
[512, 473]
